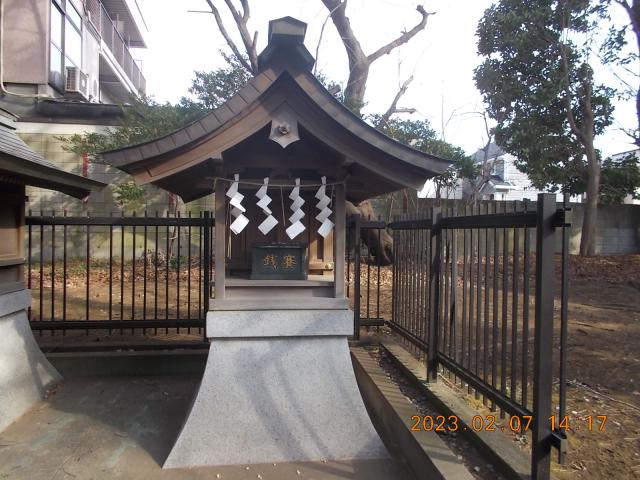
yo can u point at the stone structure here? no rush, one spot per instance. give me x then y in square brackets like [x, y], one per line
[25, 373]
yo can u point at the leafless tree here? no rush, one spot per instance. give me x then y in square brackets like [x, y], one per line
[485, 168]
[632, 9]
[359, 62]
[241, 20]
[359, 67]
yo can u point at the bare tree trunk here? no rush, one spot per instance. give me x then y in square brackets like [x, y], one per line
[585, 136]
[590, 221]
[380, 245]
[359, 62]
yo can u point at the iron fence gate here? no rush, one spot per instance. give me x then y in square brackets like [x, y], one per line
[117, 273]
[472, 291]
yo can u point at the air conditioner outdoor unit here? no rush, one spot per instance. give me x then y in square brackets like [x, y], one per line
[77, 82]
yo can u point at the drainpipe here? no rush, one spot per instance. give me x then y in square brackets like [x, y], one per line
[2, 87]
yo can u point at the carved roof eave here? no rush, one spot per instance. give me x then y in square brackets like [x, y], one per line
[240, 117]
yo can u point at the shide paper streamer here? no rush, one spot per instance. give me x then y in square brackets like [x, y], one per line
[237, 209]
[296, 227]
[325, 212]
[263, 202]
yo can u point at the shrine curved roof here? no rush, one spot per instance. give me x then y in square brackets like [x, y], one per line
[285, 73]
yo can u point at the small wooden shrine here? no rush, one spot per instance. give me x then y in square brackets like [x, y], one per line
[283, 125]
[283, 156]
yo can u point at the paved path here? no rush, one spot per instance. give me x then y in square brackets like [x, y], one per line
[123, 428]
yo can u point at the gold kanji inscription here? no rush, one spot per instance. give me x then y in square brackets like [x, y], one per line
[289, 262]
[270, 261]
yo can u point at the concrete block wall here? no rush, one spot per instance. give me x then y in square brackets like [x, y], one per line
[618, 230]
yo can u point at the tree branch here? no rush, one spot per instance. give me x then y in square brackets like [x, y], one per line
[247, 39]
[324, 24]
[227, 37]
[402, 39]
[485, 170]
[393, 108]
[359, 62]
[246, 13]
[347, 35]
[568, 95]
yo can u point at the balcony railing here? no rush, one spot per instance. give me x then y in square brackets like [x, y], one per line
[116, 43]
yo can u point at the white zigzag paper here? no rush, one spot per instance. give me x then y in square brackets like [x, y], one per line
[325, 211]
[295, 229]
[324, 202]
[264, 200]
[325, 228]
[267, 225]
[239, 224]
[297, 215]
[297, 203]
[236, 197]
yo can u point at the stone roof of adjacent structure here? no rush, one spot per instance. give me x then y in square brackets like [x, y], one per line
[19, 162]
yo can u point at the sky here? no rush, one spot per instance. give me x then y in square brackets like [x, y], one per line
[441, 58]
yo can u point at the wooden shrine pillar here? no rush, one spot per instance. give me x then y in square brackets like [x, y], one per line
[339, 240]
[220, 241]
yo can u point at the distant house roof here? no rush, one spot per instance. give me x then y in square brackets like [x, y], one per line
[18, 163]
[494, 151]
[185, 161]
[619, 156]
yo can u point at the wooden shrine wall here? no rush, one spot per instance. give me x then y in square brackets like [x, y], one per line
[239, 246]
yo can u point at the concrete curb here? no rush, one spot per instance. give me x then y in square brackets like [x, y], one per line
[508, 460]
[129, 363]
[426, 455]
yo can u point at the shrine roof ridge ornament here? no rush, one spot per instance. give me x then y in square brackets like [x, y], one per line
[180, 160]
[286, 33]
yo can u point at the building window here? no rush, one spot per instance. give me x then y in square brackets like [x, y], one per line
[66, 41]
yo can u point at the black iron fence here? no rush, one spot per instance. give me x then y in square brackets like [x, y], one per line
[116, 273]
[472, 291]
[368, 279]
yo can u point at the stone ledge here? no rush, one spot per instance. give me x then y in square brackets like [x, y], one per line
[424, 452]
[279, 323]
[510, 461]
[278, 303]
[14, 301]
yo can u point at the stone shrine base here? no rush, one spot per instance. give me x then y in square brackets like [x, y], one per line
[285, 391]
[25, 373]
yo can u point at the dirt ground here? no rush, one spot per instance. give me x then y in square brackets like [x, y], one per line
[603, 364]
[604, 368]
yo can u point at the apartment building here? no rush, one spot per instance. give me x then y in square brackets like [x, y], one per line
[66, 67]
